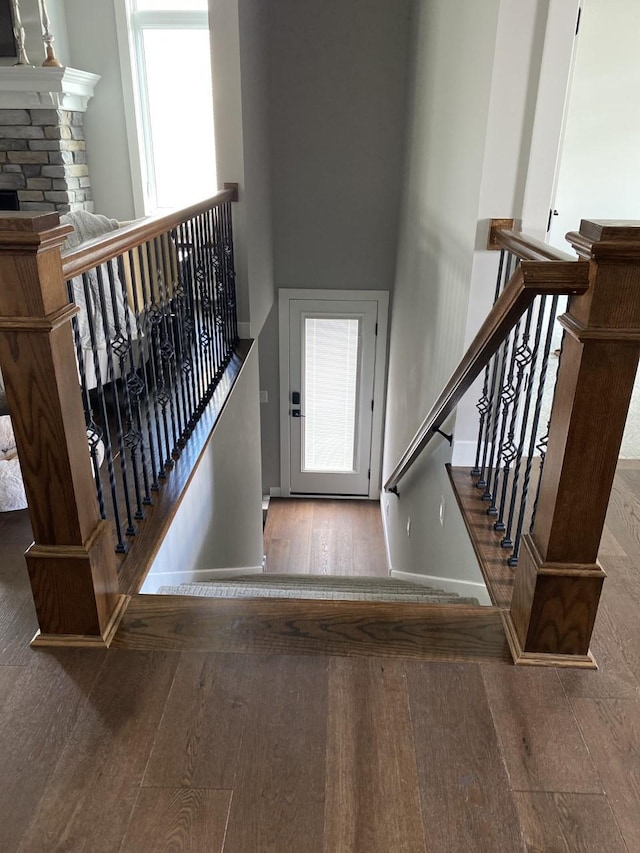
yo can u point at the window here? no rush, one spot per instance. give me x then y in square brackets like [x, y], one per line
[171, 74]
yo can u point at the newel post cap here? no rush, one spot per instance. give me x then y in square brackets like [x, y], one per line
[607, 239]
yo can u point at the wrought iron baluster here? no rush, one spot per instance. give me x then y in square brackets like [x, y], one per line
[540, 305]
[197, 321]
[121, 546]
[230, 276]
[167, 342]
[513, 559]
[94, 433]
[143, 394]
[508, 400]
[214, 274]
[123, 347]
[187, 327]
[170, 244]
[206, 336]
[221, 306]
[111, 372]
[163, 393]
[151, 321]
[490, 404]
[523, 356]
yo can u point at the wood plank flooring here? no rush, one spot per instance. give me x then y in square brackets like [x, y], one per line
[325, 537]
[137, 751]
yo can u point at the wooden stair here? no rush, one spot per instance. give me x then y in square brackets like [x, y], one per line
[292, 627]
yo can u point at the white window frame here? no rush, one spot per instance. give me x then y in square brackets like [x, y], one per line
[130, 26]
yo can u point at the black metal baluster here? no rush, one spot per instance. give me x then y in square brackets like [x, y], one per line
[543, 442]
[493, 402]
[513, 559]
[206, 336]
[187, 328]
[163, 396]
[123, 347]
[232, 279]
[214, 267]
[173, 296]
[229, 337]
[197, 323]
[231, 271]
[523, 356]
[151, 321]
[507, 541]
[111, 371]
[167, 344]
[121, 547]
[508, 400]
[94, 433]
[134, 387]
[220, 307]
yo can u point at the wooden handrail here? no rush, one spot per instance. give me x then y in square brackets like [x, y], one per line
[95, 252]
[519, 244]
[531, 279]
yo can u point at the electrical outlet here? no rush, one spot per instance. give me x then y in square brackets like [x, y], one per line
[409, 526]
[442, 509]
[264, 396]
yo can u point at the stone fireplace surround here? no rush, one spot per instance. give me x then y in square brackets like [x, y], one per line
[43, 156]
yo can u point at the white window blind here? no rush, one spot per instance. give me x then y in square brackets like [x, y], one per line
[331, 347]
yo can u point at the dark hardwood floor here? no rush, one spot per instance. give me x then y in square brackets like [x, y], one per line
[132, 751]
[325, 537]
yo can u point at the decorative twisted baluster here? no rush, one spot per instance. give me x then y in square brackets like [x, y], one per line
[121, 546]
[523, 357]
[513, 559]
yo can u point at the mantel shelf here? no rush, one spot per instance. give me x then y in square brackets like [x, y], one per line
[27, 87]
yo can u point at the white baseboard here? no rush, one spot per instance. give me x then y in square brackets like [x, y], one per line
[154, 581]
[383, 511]
[275, 491]
[467, 589]
[244, 331]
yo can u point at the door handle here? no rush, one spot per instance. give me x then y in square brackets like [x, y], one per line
[295, 413]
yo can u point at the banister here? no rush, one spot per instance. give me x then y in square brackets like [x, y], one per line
[532, 278]
[524, 247]
[100, 250]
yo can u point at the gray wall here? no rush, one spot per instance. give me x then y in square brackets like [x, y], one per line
[452, 72]
[219, 522]
[337, 87]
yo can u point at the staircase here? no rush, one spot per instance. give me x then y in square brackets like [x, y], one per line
[319, 587]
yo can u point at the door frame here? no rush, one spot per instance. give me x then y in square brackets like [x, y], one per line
[285, 296]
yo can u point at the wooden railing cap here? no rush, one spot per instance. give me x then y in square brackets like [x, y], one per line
[21, 221]
[607, 240]
[620, 230]
[31, 233]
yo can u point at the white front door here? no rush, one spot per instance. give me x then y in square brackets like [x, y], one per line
[330, 394]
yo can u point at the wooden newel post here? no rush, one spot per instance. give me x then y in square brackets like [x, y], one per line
[71, 562]
[558, 581]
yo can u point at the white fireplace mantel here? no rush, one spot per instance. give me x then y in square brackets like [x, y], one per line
[27, 88]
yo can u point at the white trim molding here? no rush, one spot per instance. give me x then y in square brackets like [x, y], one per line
[29, 88]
